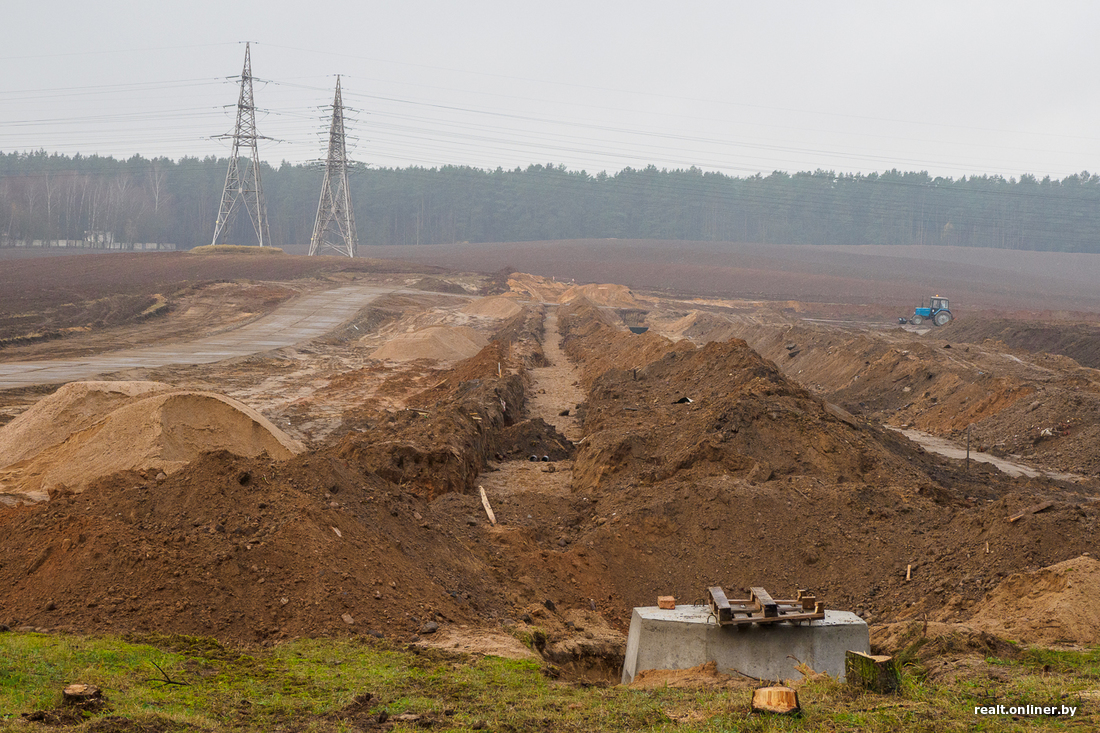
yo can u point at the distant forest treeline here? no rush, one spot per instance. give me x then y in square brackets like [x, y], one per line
[44, 196]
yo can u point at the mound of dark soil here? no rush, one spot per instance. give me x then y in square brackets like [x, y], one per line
[719, 410]
[443, 442]
[241, 549]
[534, 437]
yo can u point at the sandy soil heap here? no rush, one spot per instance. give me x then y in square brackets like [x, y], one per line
[92, 430]
[601, 294]
[495, 307]
[442, 343]
[73, 407]
[701, 327]
[552, 291]
[1051, 605]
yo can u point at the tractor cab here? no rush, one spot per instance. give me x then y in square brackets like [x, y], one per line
[938, 311]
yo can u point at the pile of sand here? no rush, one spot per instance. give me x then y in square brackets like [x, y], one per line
[89, 430]
[495, 307]
[442, 343]
[536, 287]
[701, 328]
[74, 407]
[616, 295]
[234, 249]
[551, 291]
[1056, 604]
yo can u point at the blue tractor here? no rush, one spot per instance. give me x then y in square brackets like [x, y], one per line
[938, 311]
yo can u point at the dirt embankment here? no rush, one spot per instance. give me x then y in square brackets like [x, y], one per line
[450, 431]
[1078, 341]
[758, 482]
[1044, 408]
[1056, 604]
[242, 549]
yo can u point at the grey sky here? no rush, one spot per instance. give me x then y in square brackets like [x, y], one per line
[743, 87]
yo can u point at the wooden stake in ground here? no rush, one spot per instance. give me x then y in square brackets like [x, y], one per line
[779, 700]
[875, 673]
[485, 503]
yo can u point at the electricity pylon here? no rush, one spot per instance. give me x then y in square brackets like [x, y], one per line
[242, 180]
[334, 227]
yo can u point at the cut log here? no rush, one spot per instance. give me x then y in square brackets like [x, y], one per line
[81, 694]
[779, 700]
[875, 673]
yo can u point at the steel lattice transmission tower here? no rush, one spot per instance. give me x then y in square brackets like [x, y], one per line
[334, 227]
[242, 180]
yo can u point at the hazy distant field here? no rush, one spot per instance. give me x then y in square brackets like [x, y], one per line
[975, 279]
[888, 278]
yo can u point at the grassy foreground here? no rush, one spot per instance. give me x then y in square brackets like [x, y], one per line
[346, 685]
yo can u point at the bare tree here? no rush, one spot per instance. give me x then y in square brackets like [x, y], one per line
[157, 177]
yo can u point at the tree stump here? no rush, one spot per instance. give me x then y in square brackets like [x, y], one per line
[780, 700]
[875, 673]
[82, 695]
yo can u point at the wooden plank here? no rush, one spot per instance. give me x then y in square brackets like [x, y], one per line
[767, 605]
[720, 605]
[485, 503]
[1031, 510]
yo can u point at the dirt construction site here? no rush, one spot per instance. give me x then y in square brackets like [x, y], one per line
[329, 482]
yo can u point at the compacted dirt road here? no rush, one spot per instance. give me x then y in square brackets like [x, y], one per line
[300, 320]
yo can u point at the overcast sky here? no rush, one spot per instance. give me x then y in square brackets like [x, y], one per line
[954, 88]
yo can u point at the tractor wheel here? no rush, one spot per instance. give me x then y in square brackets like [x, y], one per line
[917, 319]
[942, 318]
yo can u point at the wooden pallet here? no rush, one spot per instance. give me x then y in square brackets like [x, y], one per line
[761, 608]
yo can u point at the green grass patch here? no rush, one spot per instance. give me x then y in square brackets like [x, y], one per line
[343, 685]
